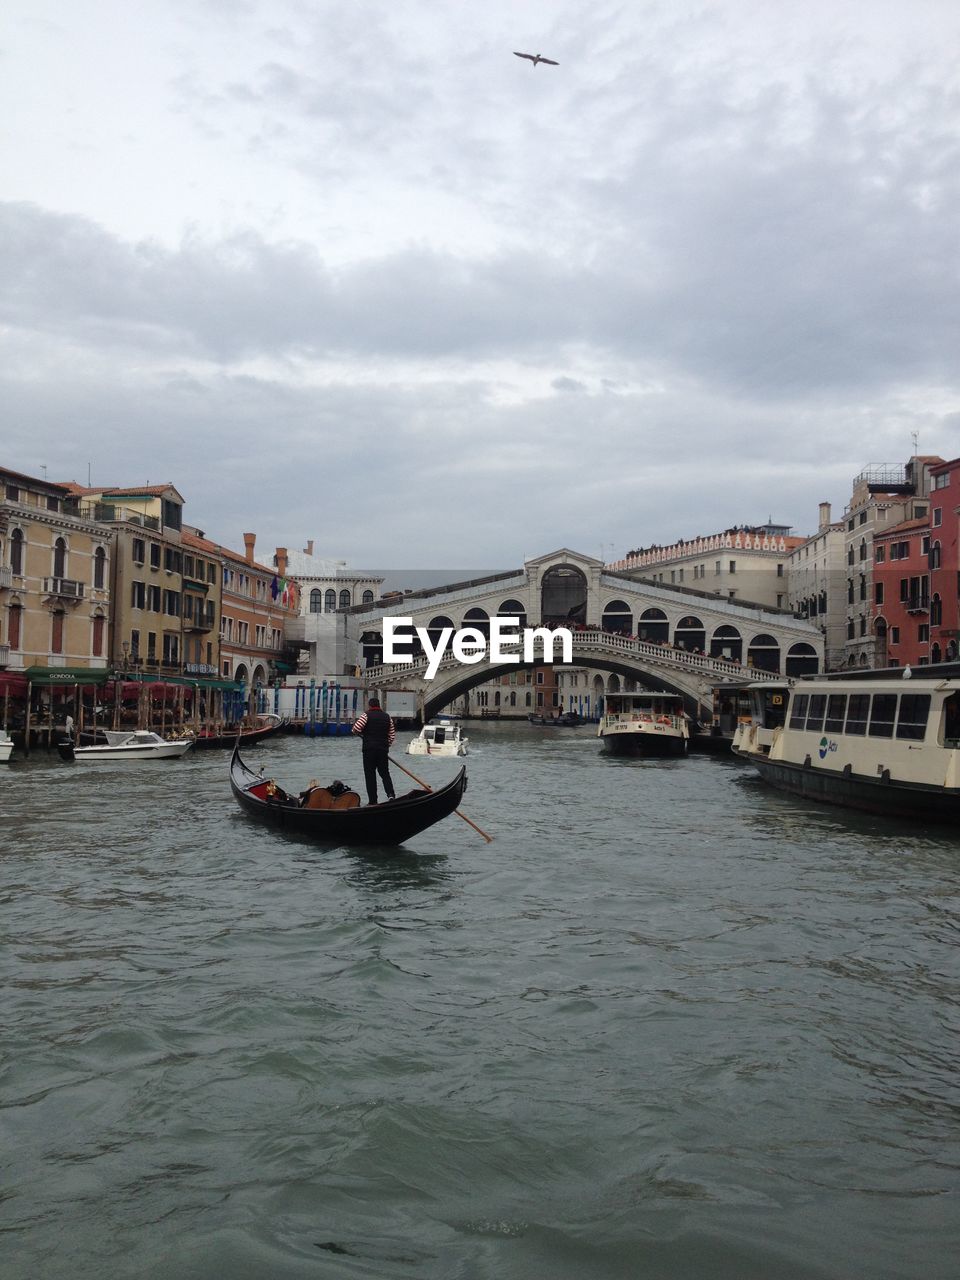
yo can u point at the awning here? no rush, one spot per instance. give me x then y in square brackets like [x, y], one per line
[67, 675]
[13, 683]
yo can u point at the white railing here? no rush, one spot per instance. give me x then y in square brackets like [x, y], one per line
[603, 643]
[63, 587]
[6, 575]
[4, 655]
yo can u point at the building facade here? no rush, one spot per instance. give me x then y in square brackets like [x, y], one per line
[944, 563]
[258, 604]
[55, 565]
[817, 585]
[901, 594]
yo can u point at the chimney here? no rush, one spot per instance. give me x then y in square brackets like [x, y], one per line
[282, 561]
[824, 515]
[249, 542]
[308, 549]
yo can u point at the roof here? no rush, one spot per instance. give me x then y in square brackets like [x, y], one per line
[906, 526]
[122, 491]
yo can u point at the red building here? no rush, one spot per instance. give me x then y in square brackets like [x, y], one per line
[944, 563]
[901, 586]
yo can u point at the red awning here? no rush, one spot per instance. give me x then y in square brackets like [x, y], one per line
[14, 683]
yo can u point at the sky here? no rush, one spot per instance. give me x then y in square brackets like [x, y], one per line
[357, 274]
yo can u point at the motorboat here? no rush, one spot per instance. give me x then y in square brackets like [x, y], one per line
[885, 742]
[441, 737]
[644, 723]
[6, 746]
[334, 814]
[138, 744]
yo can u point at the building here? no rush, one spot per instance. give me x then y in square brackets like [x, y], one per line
[900, 594]
[748, 563]
[55, 562]
[258, 605]
[944, 564]
[881, 498]
[817, 585]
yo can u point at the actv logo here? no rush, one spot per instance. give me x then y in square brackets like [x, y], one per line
[469, 644]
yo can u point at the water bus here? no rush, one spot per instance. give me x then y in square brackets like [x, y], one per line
[644, 723]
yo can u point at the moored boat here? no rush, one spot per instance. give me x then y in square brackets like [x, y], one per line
[268, 725]
[6, 746]
[333, 815]
[644, 723]
[439, 738]
[874, 741]
[140, 744]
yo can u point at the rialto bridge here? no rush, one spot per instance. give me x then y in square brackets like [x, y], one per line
[659, 636]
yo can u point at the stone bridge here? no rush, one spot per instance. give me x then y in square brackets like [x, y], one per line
[693, 675]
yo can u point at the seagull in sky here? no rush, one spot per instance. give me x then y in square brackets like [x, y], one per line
[535, 58]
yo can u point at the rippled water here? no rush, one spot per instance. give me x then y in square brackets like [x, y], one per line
[669, 1024]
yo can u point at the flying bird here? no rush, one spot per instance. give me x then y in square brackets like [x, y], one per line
[535, 58]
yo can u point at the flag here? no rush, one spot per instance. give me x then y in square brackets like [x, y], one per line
[274, 587]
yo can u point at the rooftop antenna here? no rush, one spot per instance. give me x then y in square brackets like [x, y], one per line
[44, 470]
[915, 436]
[89, 482]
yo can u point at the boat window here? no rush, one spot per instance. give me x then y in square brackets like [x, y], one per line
[858, 707]
[798, 710]
[836, 710]
[818, 705]
[882, 715]
[913, 715]
[951, 721]
[440, 736]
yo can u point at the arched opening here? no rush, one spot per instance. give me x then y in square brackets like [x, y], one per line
[14, 626]
[16, 553]
[617, 618]
[99, 568]
[371, 646]
[935, 655]
[345, 599]
[936, 610]
[727, 643]
[367, 597]
[240, 674]
[436, 625]
[802, 660]
[653, 626]
[613, 684]
[563, 596]
[330, 601]
[96, 640]
[480, 620]
[513, 609]
[689, 633]
[764, 653]
[316, 600]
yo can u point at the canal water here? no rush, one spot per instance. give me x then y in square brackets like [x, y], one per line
[669, 1024]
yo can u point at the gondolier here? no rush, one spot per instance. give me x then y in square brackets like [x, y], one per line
[378, 732]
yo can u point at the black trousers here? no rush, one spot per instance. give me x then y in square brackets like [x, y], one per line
[376, 760]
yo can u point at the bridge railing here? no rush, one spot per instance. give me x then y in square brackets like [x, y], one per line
[602, 643]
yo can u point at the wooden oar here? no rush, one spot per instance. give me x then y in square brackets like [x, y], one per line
[427, 787]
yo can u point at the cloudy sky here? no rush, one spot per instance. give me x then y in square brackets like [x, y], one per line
[355, 273]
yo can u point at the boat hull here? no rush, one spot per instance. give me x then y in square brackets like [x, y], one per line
[98, 755]
[644, 744]
[853, 791]
[390, 823]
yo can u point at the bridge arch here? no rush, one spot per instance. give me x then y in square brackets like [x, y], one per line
[513, 609]
[690, 633]
[479, 619]
[763, 653]
[801, 660]
[726, 642]
[617, 618]
[652, 625]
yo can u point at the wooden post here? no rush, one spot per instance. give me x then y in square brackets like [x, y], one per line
[26, 719]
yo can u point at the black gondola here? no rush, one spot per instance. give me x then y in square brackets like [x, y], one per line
[204, 741]
[389, 823]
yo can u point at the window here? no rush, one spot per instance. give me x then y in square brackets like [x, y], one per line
[329, 601]
[914, 712]
[936, 611]
[137, 550]
[13, 626]
[367, 597]
[733, 566]
[172, 560]
[316, 600]
[779, 570]
[151, 646]
[878, 593]
[137, 595]
[153, 599]
[935, 556]
[879, 554]
[863, 549]
[154, 555]
[937, 517]
[345, 599]
[716, 567]
[882, 715]
[59, 563]
[863, 626]
[56, 635]
[171, 603]
[850, 556]
[134, 644]
[942, 480]
[923, 632]
[99, 567]
[851, 631]
[172, 515]
[836, 710]
[858, 707]
[171, 647]
[894, 635]
[815, 712]
[97, 640]
[863, 517]
[863, 586]
[16, 552]
[798, 710]
[13, 493]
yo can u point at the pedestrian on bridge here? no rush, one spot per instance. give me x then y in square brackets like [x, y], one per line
[378, 733]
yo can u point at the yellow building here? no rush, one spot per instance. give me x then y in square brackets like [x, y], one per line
[55, 567]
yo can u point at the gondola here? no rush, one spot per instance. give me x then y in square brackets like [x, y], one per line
[204, 741]
[389, 823]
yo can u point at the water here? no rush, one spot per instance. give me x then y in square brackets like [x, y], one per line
[669, 1024]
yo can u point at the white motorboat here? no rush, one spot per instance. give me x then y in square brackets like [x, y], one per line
[644, 723]
[442, 737]
[6, 746]
[881, 741]
[138, 744]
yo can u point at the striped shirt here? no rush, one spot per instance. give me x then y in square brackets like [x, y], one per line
[361, 723]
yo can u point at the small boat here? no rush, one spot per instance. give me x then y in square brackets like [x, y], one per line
[876, 741]
[6, 746]
[646, 723]
[334, 815]
[140, 744]
[566, 720]
[440, 737]
[270, 724]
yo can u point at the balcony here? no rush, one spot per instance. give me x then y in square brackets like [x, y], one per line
[4, 655]
[6, 576]
[63, 588]
[917, 604]
[198, 621]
